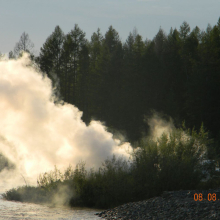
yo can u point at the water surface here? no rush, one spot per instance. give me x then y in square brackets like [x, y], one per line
[26, 211]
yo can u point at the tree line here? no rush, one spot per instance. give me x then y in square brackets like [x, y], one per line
[120, 83]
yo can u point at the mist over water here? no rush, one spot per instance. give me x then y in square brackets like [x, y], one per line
[36, 134]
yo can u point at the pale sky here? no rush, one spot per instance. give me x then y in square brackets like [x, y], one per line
[38, 18]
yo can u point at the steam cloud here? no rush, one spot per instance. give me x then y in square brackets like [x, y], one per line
[36, 134]
[159, 126]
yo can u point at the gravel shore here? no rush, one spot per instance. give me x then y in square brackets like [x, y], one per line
[170, 205]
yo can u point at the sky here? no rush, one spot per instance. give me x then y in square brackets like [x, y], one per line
[39, 18]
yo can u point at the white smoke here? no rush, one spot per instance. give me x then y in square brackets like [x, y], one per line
[159, 126]
[36, 134]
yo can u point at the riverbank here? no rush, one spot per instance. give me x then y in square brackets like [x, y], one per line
[170, 205]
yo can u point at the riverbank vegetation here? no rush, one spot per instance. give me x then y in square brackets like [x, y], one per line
[172, 162]
[176, 74]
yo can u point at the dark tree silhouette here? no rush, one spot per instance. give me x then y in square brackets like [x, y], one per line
[24, 44]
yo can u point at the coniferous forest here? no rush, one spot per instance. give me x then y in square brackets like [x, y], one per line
[122, 83]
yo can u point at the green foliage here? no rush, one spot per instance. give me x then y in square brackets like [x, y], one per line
[28, 194]
[51, 179]
[50, 61]
[184, 30]
[172, 162]
[175, 73]
[180, 159]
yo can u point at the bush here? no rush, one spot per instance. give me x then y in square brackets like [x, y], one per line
[28, 194]
[172, 162]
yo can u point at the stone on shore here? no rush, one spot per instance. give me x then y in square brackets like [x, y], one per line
[170, 205]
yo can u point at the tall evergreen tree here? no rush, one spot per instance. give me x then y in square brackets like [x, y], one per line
[50, 58]
[95, 77]
[177, 74]
[83, 82]
[110, 67]
[74, 44]
[75, 66]
[202, 100]
[184, 30]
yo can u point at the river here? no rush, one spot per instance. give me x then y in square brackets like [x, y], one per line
[26, 211]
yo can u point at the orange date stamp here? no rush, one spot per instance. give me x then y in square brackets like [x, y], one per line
[209, 197]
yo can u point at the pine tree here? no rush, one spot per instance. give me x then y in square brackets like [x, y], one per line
[73, 45]
[50, 58]
[95, 77]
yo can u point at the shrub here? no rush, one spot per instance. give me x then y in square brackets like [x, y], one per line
[172, 162]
